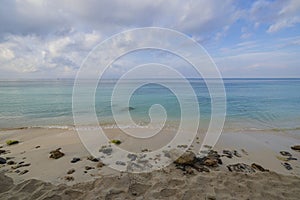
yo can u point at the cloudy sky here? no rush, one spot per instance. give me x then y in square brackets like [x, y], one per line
[50, 39]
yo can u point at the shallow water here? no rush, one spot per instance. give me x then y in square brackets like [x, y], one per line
[252, 104]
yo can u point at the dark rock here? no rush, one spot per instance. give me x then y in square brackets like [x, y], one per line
[106, 150]
[20, 165]
[75, 160]
[214, 155]
[17, 171]
[145, 150]
[2, 151]
[182, 146]
[227, 153]
[71, 171]
[287, 166]
[187, 158]
[56, 154]
[240, 167]
[258, 167]
[120, 163]
[200, 167]
[69, 178]
[37, 147]
[285, 153]
[210, 162]
[88, 168]
[11, 162]
[12, 142]
[92, 158]
[237, 154]
[2, 161]
[291, 158]
[100, 164]
[24, 171]
[131, 108]
[117, 142]
[132, 156]
[207, 146]
[296, 147]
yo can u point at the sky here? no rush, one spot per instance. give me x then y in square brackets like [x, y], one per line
[51, 38]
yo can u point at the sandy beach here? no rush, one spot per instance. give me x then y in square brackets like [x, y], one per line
[29, 173]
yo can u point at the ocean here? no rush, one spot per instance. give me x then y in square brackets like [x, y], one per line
[252, 104]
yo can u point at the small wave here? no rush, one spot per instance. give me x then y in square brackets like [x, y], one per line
[254, 129]
[285, 129]
[54, 127]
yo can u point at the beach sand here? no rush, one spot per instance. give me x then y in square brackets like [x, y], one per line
[47, 178]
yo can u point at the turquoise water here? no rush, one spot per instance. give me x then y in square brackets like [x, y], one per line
[252, 104]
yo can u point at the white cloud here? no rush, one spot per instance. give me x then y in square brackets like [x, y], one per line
[277, 15]
[259, 64]
[51, 38]
[288, 16]
[55, 55]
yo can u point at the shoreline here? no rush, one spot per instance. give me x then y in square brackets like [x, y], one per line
[36, 143]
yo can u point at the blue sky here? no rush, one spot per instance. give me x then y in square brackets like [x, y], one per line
[50, 39]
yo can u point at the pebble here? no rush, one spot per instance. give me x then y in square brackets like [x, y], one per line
[24, 171]
[56, 154]
[88, 168]
[227, 153]
[211, 162]
[71, 171]
[282, 158]
[296, 147]
[11, 162]
[240, 167]
[258, 167]
[285, 153]
[75, 160]
[100, 164]
[2, 151]
[69, 178]
[132, 156]
[106, 151]
[182, 146]
[92, 158]
[287, 166]
[237, 154]
[2, 160]
[120, 163]
[207, 146]
[20, 165]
